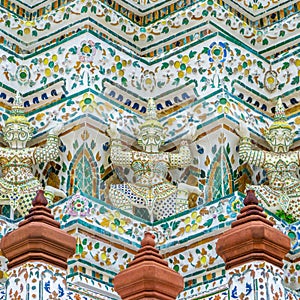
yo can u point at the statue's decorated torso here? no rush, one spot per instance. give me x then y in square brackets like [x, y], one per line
[150, 168]
[18, 185]
[282, 168]
[16, 164]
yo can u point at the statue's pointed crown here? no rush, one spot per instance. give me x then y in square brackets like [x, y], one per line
[17, 114]
[151, 116]
[280, 119]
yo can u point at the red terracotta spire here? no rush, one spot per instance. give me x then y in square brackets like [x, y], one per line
[252, 237]
[148, 276]
[38, 238]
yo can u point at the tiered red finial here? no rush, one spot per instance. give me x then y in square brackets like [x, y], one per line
[148, 276]
[39, 212]
[251, 212]
[39, 199]
[252, 237]
[250, 198]
[38, 238]
[148, 240]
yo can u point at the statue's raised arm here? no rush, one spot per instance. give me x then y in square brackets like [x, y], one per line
[183, 158]
[247, 154]
[118, 155]
[51, 150]
[281, 166]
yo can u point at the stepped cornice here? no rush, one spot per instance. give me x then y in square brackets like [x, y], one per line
[206, 114]
[173, 31]
[59, 68]
[140, 11]
[256, 10]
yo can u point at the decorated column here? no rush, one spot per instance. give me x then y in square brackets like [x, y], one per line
[37, 253]
[253, 252]
[148, 276]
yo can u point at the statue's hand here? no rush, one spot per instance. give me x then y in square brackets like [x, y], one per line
[190, 188]
[56, 129]
[191, 135]
[243, 130]
[113, 132]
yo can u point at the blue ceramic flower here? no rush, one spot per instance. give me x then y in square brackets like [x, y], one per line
[217, 52]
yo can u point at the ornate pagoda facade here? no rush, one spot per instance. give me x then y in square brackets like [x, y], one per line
[208, 66]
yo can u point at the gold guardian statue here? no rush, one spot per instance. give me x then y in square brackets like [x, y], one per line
[151, 189]
[18, 186]
[280, 164]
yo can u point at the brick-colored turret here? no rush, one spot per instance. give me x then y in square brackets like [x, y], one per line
[253, 252]
[38, 238]
[252, 238]
[148, 276]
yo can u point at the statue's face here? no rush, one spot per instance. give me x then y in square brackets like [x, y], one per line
[151, 139]
[17, 135]
[280, 139]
